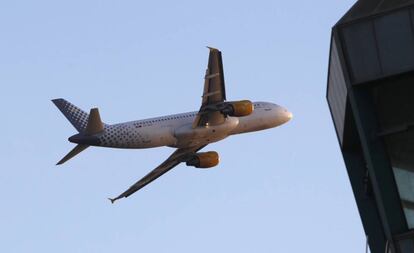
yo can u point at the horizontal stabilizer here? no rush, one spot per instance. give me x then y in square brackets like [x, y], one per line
[76, 150]
[76, 116]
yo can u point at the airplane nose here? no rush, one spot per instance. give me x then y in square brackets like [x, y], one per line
[281, 114]
[289, 115]
[285, 115]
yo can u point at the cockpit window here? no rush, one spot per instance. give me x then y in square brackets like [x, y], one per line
[258, 105]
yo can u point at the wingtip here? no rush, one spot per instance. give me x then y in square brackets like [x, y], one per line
[62, 161]
[56, 100]
[212, 48]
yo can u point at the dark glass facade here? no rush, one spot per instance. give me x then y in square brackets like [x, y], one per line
[371, 98]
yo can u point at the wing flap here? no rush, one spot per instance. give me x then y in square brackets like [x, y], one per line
[214, 78]
[156, 173]
[172, 161]
[214, 91]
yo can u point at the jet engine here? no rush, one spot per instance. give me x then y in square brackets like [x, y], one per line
[204, 160]
[238, 108]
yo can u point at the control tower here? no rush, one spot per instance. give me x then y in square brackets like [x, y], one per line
[371, 98]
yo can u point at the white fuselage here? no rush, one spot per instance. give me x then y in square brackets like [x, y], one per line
[177, 131]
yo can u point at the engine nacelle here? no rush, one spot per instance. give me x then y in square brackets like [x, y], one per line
[238, 108]
[204, 160]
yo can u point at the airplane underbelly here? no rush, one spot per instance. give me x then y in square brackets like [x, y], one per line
[188, 136]
[161, 137]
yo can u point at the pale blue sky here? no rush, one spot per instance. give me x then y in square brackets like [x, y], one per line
[280, 190]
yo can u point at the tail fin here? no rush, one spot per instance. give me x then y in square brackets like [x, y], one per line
[86, 124]
[76, 116]
[95, 124]
[76, 150]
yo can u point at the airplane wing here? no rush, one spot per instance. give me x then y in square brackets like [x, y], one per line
[172, 161]
[214, 92]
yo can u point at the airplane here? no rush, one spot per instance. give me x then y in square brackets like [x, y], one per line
[188, 132]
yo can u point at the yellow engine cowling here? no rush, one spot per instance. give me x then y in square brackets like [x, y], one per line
[204, 160]
[240, 108]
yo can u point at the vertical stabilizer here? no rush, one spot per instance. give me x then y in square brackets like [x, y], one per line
[95, 124]
[88, 125]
